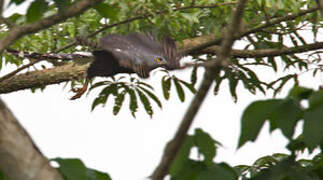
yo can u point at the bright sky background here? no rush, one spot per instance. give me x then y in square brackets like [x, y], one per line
[129, 148]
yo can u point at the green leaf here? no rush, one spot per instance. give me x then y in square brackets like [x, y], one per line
[205, 144]
[98, 100]
[182, 156]
[104, 95]
[107, 11]
[300, 93]
[190, 171]
[133, 104]
[151, 95]
[92, 174]
[315, 100]
[179, 89]
[286, 116]
[144, 100]
[218, 81]
[253, 118]
[166, 85]
[283, 80]
[313, 123]
[15, 17]
[36, 10]
[17, 2]
[254, 79]
[98, 84]
[145, 84]
[71, 169]
[220, 171]
[272, 61]
[189, 86]
[233, 83]
[194, 76]
[118, 102]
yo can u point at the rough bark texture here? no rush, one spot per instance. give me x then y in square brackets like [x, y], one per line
[20, 159]
[44, 77]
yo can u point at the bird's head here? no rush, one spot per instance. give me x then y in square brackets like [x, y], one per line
[160, 61]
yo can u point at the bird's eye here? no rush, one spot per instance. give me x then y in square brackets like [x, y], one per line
[158, 60]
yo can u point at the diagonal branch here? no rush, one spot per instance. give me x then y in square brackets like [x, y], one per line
[19, 31]
[170, 153]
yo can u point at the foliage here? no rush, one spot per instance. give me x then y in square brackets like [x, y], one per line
[75, 169]
[186, 168]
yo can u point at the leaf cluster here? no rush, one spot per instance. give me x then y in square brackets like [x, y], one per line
[72, 169]
[184, 167]
[284, 114]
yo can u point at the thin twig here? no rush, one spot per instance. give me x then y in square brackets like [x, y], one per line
[174, 146]
[47, 56]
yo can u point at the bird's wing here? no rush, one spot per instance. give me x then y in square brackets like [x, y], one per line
[128, 52]
[170, 51]
[137, 51]
[165, 48]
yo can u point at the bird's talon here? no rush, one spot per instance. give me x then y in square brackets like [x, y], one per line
[79, 91]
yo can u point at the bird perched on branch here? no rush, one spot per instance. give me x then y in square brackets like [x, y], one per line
[132, 53]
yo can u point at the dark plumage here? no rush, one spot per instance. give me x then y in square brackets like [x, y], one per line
[133, 53]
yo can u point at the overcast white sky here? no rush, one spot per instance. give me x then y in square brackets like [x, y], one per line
[129, 148]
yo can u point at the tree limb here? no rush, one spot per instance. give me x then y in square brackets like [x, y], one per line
[18, 31]
[170, 153]
[20, 159]
[43, 77]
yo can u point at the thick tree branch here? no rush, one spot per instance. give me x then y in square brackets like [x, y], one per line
[20, 159]
[170, 153]
[42, 78]
[19, 31]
